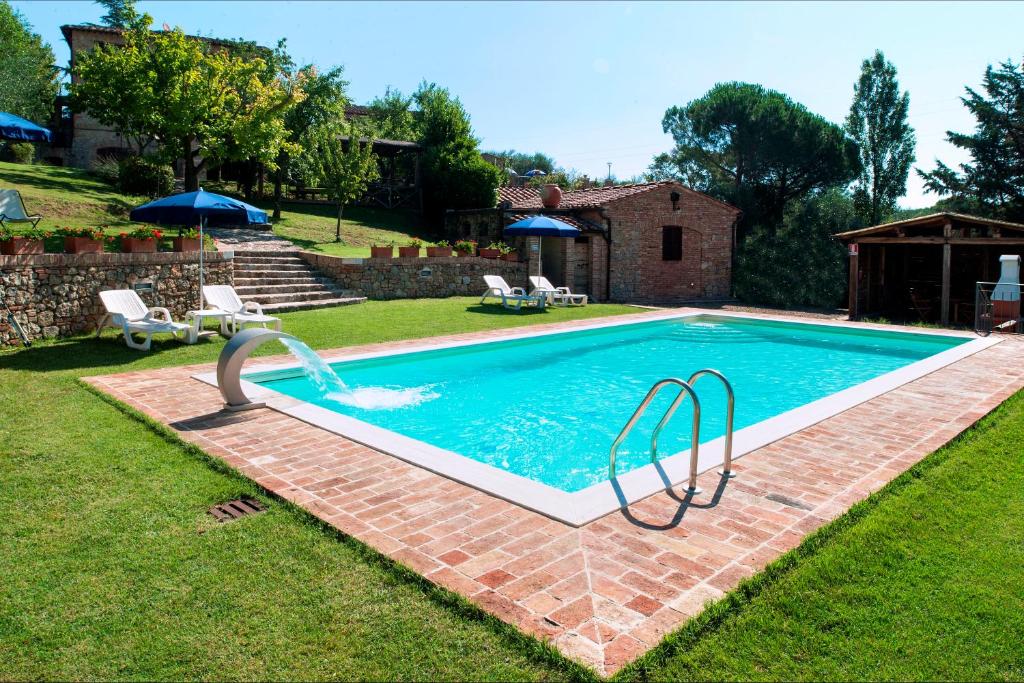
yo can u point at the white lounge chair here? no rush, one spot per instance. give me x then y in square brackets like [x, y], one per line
[559, 295]
[12, 209]
[225, 298]
[511, 297]
[126, 310]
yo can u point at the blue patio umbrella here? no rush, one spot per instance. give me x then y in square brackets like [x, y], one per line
[196, 208]
[534, 172]
[541, 227]
[16, 128]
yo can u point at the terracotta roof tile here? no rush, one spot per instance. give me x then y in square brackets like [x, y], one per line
[529, 197]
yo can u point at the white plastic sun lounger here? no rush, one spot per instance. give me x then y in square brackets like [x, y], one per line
[12, 209]
[225, 298]
[512, 298]
[559, 295]
[126, 310]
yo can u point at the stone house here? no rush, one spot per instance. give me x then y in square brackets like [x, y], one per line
[655, 242]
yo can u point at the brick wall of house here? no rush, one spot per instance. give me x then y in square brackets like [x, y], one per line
[638, 273]
[56, 295]
[415, 278]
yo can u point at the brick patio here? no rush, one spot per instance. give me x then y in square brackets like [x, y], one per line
[607, 591]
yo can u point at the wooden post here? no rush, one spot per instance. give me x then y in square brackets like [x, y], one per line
[947, 260]
[854, 285]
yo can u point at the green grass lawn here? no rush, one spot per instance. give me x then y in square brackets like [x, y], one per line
[113, 570]
[71, 197]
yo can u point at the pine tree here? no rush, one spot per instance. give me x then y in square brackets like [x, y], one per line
[121, 14]
[878, 122]
[994, 179]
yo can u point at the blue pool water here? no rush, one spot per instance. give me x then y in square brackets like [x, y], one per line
[548, 408]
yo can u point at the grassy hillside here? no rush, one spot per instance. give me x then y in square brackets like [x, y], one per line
[72, 197]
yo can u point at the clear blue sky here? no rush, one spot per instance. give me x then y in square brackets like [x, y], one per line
[588, 83]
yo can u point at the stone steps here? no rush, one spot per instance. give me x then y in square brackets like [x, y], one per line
[282, 281]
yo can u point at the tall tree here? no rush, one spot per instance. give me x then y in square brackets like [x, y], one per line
[200, 101]
[993, 181]
[878, 122]
[756, 149]
[28, 77]
[392, 117]
[121, 14]
[521, 162]
[455, 176]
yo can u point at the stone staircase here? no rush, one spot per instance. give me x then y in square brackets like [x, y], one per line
[281, 281]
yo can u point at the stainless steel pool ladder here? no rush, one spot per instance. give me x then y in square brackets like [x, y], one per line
[685, 389]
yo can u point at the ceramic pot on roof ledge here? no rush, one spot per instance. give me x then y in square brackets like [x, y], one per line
[550, 196]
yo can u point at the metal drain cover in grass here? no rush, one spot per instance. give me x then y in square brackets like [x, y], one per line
[233, 509]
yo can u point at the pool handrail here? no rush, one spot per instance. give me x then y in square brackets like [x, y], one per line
[730, 411]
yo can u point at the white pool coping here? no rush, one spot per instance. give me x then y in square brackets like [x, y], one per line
[580, 507]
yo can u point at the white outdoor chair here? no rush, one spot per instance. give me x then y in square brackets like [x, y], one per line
[12, 209]
[512, 298]
[225, 298]
[126, 310]
[559, 295]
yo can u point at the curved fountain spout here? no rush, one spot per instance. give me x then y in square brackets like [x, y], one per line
[229, 365]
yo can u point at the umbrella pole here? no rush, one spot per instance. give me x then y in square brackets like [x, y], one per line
[540, 253]
[202, 225]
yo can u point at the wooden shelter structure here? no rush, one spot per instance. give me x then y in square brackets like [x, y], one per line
[926, 268]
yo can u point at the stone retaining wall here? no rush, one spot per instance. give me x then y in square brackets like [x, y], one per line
[416, 278]
[53, 295]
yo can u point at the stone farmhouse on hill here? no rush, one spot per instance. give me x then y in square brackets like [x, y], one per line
[655, 242]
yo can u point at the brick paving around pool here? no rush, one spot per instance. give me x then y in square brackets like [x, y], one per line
[605, 592]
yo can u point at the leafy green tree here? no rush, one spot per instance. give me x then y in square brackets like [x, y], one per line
[122, 14]
[878, 122]
[800, 263]
[455, 176]
[28, 77]
[392, 117]
[201, 102]
[346, 167]
[757, 149]
[521, 162]
[993, 181]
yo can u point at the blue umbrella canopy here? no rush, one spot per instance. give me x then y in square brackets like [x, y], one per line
[534, 172]
[16, 128]
[541, 226]
[188, 208]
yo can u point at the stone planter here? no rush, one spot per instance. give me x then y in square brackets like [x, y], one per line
[489, 253]
[409, 252]
[133, 245]
[382, 252]
[512, 256]
[186, 243]
[82, 245]
[21, 245]
[439, 252]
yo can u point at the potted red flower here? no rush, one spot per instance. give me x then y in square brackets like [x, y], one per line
[82, 240]
[382, 251]
[465, 247]
[411, 250]
[140, 241]
[26, 242]
[187, 240]
[439, 250]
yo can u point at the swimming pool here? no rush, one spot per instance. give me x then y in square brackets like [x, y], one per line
[531, 417]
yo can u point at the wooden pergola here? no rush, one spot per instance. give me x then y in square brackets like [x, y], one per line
[926, 267]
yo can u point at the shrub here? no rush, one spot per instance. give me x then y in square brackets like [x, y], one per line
[801, 263]
[20, 152]
[141, 175]
[107, 169]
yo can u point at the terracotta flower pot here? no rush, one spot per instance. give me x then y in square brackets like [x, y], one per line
[381, 252]
[550, 195]
[186, 243]
[512, 256]
[21, 245]
[82, 245]
[489, 253]
[465, 253]
[134, 245]
[439, 252]
[409, 252]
